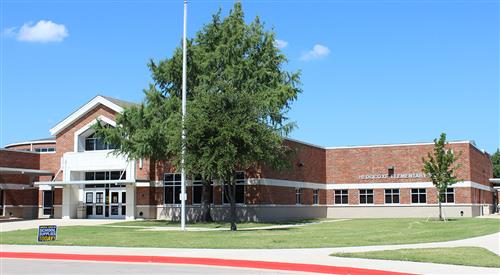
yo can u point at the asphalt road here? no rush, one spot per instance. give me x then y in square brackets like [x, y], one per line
[51, 267]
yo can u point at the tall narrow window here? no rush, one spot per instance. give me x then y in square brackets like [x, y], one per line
[198, 191]
[240, 189]
[341, 197]
[316, 196]
[418, 195]
[172, 183]
[391, 195]
[366, 196]
[298, 195]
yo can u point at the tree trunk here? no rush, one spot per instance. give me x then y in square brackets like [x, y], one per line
[439, 205]
[231, 192]
[205, 201]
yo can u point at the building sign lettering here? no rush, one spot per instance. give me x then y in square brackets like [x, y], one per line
[394, 176]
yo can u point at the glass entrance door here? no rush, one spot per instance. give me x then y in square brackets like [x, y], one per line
[95, 203]
[107, 202]
[117, 207]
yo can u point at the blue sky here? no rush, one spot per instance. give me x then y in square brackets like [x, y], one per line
[381, 72]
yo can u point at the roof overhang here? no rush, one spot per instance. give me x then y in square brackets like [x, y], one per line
[84, 110]
[495, 180]
[24, 171]
[78, 182]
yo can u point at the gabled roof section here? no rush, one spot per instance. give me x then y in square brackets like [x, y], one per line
[112, 103]
[119, 102]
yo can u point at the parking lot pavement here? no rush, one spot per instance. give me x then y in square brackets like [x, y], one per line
[51, 267]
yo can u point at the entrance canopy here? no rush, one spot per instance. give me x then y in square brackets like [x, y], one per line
[24, 171]
[78, 182]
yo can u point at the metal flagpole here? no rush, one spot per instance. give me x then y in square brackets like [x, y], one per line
[183, 172]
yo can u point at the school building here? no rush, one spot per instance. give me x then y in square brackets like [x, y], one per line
[72, 175]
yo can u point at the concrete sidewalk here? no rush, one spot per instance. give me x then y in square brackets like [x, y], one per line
[490, 242]
[318, 256]
[30, 224]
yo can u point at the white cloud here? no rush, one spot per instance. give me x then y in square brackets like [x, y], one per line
[280, 43]
[43, 31]
[318, 51]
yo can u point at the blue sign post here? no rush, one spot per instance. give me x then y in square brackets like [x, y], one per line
[47, 233]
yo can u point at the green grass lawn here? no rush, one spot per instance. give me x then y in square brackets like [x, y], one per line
[471, 256]
[164, 223]
[328, 234]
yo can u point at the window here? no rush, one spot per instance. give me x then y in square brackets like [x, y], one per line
[172, 183]
[341, 196]
[366, 196]
[93, 143]
[198, 191]
[448, 196]
[45, 149]
[418, 195]
[390, 172]
[391, 195]
[298, 194]
[240, 189]
[106, 175]
[48, 202]
[316, 196]
[89, 197]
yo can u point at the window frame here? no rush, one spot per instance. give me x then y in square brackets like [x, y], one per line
[392, 194]
[418, 194]
[339, 193]
[239, 181]
[367, 193]
[298, 196]
[175, 184]
[96, 142]
[315, 196]
[445, 195]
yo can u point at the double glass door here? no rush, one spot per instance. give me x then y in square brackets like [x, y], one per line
[103, 203]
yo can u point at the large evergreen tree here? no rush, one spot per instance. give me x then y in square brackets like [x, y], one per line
[238, 97]
[495, 159]
[441, 168]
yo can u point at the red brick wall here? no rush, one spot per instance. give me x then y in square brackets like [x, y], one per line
[21, 197]
[345, 165]
[308, 164]
[65, 139]
[18, 159]
[481, 168]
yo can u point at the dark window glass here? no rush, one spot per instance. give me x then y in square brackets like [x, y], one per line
[114, 210]
[124, 197]
[316, 196]
[418, 195]
[99, 197]
[366, 196]
[197, 192]
[391, 195]
[124, 209]
[89, 198]
[169, 194]
[168, 177]
[239, 196]
[89, 176]
[341, 196]
[98, 209]
[100, 175]
[90, 210]
[89, 144]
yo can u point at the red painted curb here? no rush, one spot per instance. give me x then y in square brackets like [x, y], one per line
[314, 268]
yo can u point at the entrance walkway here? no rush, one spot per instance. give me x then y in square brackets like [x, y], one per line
[29, 224]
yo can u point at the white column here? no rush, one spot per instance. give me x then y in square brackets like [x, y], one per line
[130, 204]
[69, 201]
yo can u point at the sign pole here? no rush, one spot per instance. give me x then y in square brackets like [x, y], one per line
[183, 172]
